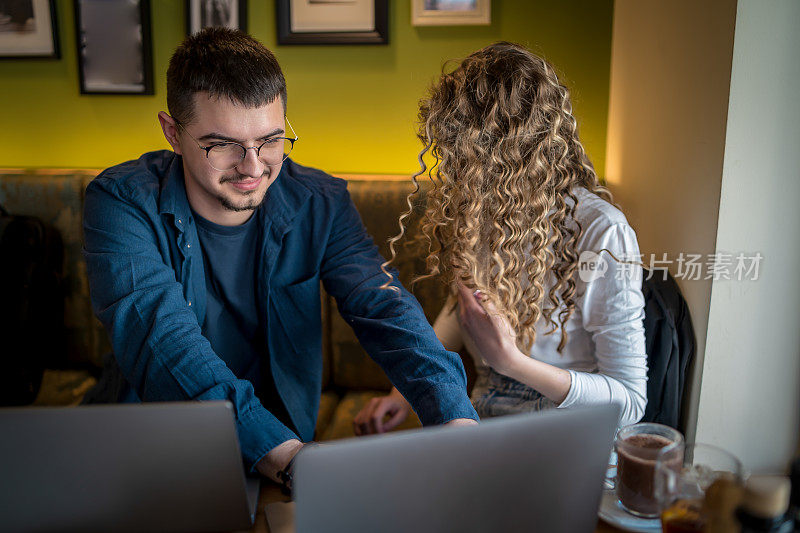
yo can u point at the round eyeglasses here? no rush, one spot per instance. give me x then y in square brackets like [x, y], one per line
[227, 155]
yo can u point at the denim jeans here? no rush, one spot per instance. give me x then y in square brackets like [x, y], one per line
[498, 395]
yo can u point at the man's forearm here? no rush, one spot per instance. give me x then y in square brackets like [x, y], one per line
[391, 326]
[278, 458]
[461, 422]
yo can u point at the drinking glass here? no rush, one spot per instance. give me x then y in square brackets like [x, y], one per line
[639, 447]
[702, 495]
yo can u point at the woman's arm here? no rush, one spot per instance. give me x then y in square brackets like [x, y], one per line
[612, 309]
[551, 381]
[496, 343]
[447, 328]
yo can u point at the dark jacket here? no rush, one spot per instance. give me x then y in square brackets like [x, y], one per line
[670, 343]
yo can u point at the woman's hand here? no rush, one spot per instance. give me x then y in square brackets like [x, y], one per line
[370, 419]
[497, 345]
[490, 332]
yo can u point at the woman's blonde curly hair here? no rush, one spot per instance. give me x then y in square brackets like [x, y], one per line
[507, 158]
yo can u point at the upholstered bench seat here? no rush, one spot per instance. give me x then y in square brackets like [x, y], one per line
[64, 387]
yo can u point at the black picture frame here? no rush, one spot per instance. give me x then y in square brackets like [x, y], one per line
[194, 15]
[102, 73]
[42, 43]
[380, 35]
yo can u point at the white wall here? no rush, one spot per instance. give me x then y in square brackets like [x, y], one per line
[670, 78]
[750, 396]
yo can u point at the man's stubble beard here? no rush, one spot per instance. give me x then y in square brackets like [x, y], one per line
[249, 206]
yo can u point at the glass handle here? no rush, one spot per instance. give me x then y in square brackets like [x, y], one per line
[610, 481]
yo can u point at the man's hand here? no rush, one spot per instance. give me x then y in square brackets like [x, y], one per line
[370, 421]
[277, 459]
[489, 331]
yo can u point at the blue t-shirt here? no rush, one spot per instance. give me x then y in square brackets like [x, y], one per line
[233, 323]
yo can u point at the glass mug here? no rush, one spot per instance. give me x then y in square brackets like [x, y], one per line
[702, 495]
[639, 448]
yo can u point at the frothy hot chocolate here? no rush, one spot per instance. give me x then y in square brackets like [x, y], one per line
[636, 464]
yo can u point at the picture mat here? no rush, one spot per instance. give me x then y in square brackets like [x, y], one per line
[317, 17]
[480, 15]
[454, 5]
[38, 42]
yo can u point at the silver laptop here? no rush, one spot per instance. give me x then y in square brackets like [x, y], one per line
[532, 472]
[133, 467]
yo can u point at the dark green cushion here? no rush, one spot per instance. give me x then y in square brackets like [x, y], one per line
[56, 196]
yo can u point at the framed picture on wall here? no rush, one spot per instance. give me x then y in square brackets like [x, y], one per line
[212, 13]
[28, 29]
[451, 12]
[114, 47]
[333, 21]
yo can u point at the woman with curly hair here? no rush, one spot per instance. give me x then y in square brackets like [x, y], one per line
[514, 210]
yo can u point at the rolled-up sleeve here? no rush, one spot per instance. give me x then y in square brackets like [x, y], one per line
[612, 309]
[155, 336]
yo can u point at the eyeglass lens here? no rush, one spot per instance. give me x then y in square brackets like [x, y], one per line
[228, 155]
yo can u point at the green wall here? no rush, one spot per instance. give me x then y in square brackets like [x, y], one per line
[352, 106]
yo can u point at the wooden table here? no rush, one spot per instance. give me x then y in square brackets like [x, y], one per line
[270, 492]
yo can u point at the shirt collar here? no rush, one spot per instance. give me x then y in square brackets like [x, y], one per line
[285, 197]
[173, 199]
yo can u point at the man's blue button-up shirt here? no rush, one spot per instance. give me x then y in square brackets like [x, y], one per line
[145, 270]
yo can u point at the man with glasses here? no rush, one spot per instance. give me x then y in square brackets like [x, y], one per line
[204, 264]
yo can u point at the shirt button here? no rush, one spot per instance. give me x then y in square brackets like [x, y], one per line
[188, 245]
[180, 221]
[190, 304]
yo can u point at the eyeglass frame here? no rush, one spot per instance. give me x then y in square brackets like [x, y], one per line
[207, 149]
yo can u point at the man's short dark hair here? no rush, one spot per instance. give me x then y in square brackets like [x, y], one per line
[226, 64]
